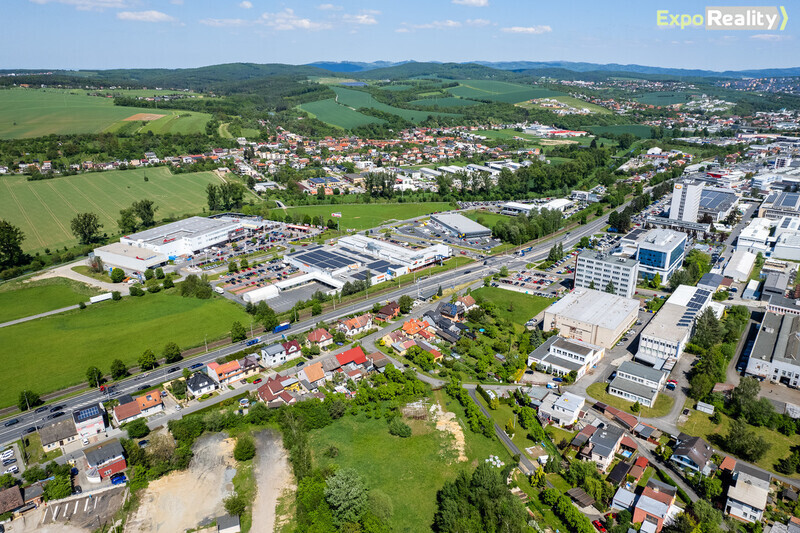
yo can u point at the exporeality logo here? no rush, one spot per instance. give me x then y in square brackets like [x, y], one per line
[761, 18]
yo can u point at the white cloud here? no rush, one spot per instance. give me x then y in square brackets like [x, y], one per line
[472, 3]
[144, 16]
[531, 30]
[329, 7]
[86, 5]
[477, 22]
[246, 4]
[770, 37]
[363, 18]
[438, 25]
[222, 23]
[286, 20]
[402, 30]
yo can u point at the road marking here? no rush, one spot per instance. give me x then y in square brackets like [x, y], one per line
[55, 513]
[76, 507]
[44, 516]
[86, 506]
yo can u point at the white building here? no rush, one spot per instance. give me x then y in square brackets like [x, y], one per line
[411, 259]
[561, 409]
[516, 208]
[660, 251]
[787, 239]
[663, 340]
[747, 496]
[685, 201]
[601, 269]
[776, 352]
[637, 383]
[561, 356]
[740, 265]
[592, 316]
[754, 236]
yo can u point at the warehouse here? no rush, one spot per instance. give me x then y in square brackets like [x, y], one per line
[460, 226]
[776, 352]
[740, 265]
[592, 316]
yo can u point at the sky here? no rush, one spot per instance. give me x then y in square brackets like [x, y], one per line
[102, 34]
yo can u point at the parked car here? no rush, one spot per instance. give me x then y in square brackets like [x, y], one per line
[257, 381]
[118, 479]
[10, 461]
[77, 490]
[12, 470]
[599, 526]
[196, 365]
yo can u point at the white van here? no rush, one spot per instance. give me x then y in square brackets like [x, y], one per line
[219, 290]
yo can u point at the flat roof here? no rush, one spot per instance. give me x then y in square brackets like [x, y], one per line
[778, 339]
[665, 324]
[576, 346]
[595, 307]
[716, 200]
[188, 227]
[608, 258]
[642, 371]
[661, 239]
[459, 223]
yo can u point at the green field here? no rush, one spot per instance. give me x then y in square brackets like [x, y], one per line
[38, 112]
[661, 408]
[20, 299]
[500, 91]
[338, 115]
[44, 208]
[358, 99]
[410, 471]
[447, 101]
[365, 216]
[638, 130]
[514, 306]
[51, 353]
[664, 98]
[502, 135]
[572, 101]
[488, 218]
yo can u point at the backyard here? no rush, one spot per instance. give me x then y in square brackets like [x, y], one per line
[661, 408]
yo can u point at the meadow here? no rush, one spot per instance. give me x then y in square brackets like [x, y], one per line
[503, 135]
[63, 346]
[500, 91]
[410, 471]
[181, 122]
[513, 306]
[330, 112]
[664, 98]
[445, 101]
[365, 216]
[639, 130]
[38, 112]
[43, 209]
[19, 299]
[572, 101]
[358, 99]
[486, 218]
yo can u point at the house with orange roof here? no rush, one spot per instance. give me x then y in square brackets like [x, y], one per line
[224, 373]
[150, 403]
[356, 325]
[413, 326]
[312, 374]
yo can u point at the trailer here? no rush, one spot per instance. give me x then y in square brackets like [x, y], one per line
[281, 327]
[100, 298]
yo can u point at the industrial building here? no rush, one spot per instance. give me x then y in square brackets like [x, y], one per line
[561, 356]
[637, 383]
[460, 226]
[776, 352]
[740, 265]
[592, 316]
[787, 239]
[515, 208]
[660, 251]
[663, 340]
[599, 269]
[717, 203]
[685, 201]
[753, 237]
[780, 204]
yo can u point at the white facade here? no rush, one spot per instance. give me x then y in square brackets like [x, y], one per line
[561, 410]
[184, 236]
[660, 251]
[685, 201]
[600, 269]
[561, 356]
[411, 259]
[592, 316]
[747, 496]
[740, 265]
[754, 236]
[776, 351]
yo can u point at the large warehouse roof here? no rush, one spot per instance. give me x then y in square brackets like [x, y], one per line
[595, 307]
[460, 224]
[189, 227]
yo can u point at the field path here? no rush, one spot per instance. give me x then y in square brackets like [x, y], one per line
[24, 214]
[64, 198]
[103, 211]
[53, 215]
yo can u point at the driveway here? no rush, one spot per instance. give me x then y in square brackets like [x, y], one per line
[65, 271]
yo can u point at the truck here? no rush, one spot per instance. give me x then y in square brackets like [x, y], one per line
[526, 250]
[252, 341]
[283, 326]
[100, 298]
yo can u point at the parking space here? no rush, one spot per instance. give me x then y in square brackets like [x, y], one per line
[256, 276]
[531, 282]
[11, 460]
[90, 511]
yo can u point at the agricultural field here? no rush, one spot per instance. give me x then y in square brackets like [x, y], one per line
[68, 343]
[397, 87]
[639, 130]
[447, 101]
[163, 121]
[571, 101]
[503, 135]
[38, 112]
[513, 306]
[330, 112]
[19, 299]
[664, 98]
[500, 91]
[364, 216]
[359, 99]
[43, 209]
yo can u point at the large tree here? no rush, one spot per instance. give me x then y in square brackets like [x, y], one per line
[27, 399]
[127, 221]
[11, 238]
[347, 495]
[146, 211]
[147, 361]
[118, 369]
[172, 352]
[86, 227]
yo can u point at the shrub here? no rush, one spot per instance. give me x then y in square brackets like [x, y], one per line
[399, 428]
[81, 305]
[137, 429]
[116, 296]
[245, 448]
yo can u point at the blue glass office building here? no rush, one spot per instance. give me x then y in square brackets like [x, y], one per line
[661, 251]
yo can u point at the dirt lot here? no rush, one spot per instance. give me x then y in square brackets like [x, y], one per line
[273, 478]
[182, 500]
[144, 117]
[446, 421]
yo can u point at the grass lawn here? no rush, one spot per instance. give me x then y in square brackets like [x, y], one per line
[700, 425]
[36, 454]
[43, 209]
[756, 273]
[84, 270]
[557, 434]
[486, 218]
[648, 473]
[558, 482]
[511, 305]
[365, 216]
[662, 407]
[20, 299]
[68, 343]
[409, 470]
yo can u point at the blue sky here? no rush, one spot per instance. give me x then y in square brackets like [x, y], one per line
[100, 34]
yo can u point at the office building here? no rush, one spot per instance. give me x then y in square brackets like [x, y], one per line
[776, 352]
[685, 201]
[660, 251]
[561, 356]
[637, 383]
[592, 316]
[780, 204]
[717, 203]
[597, 270]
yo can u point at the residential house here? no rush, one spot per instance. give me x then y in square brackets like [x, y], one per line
[394, 336]
[379, 361]
[11, 499]
[319, 337]
[126, 411]
[693, 453]
[413, 326]
[293, 349]
[747, 495]
[225, 373]
[637, 383]
[330, 366]
[619, 473]
[450, 311]
[623, 499]
[150, 403]
[107, 458]
[353, 355]
[388, 312]
[652, 507]
[90, 420]
[561, 356]
[561, 409]
[33, 494]
[273, 355]
[58, 434]
[356, 325]
[272, 393]
[198, 384]
[312, 374]
[603, 445]
[466, 303]
[402, 347]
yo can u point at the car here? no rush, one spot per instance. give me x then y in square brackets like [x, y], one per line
[11, 422]
[9, 461]
[625, 339]
[163, 394]
[144, 387]
[173, 369]
[559, 380]
[243, 381]
[41, 409]
[30, 429]
[56, 415]
[13, 469]
[77, 490]
[599, 526]
[259, 380]
[143, 443]
[611, 516]
[685, 411]
[56, 408]
[85, 442]
[301, 363]
[196, 365]
[118, 479]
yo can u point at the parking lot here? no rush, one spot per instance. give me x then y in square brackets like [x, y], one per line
[88, 511]
[12, 460]
[428, 232]
[531, 282]
[256, 276]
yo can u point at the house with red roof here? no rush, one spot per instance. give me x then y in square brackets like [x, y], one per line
[292, 349]
[356, 325]
[319, 337]
[353, 355]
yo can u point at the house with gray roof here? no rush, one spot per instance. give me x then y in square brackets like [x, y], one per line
[561, 356]
[199, 383]
[693, 453]
[637, 383]
[747, 495]
[58, 434]
[603, 445]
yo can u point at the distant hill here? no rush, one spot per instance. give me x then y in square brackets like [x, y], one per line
[353, 66]
[638, 69]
